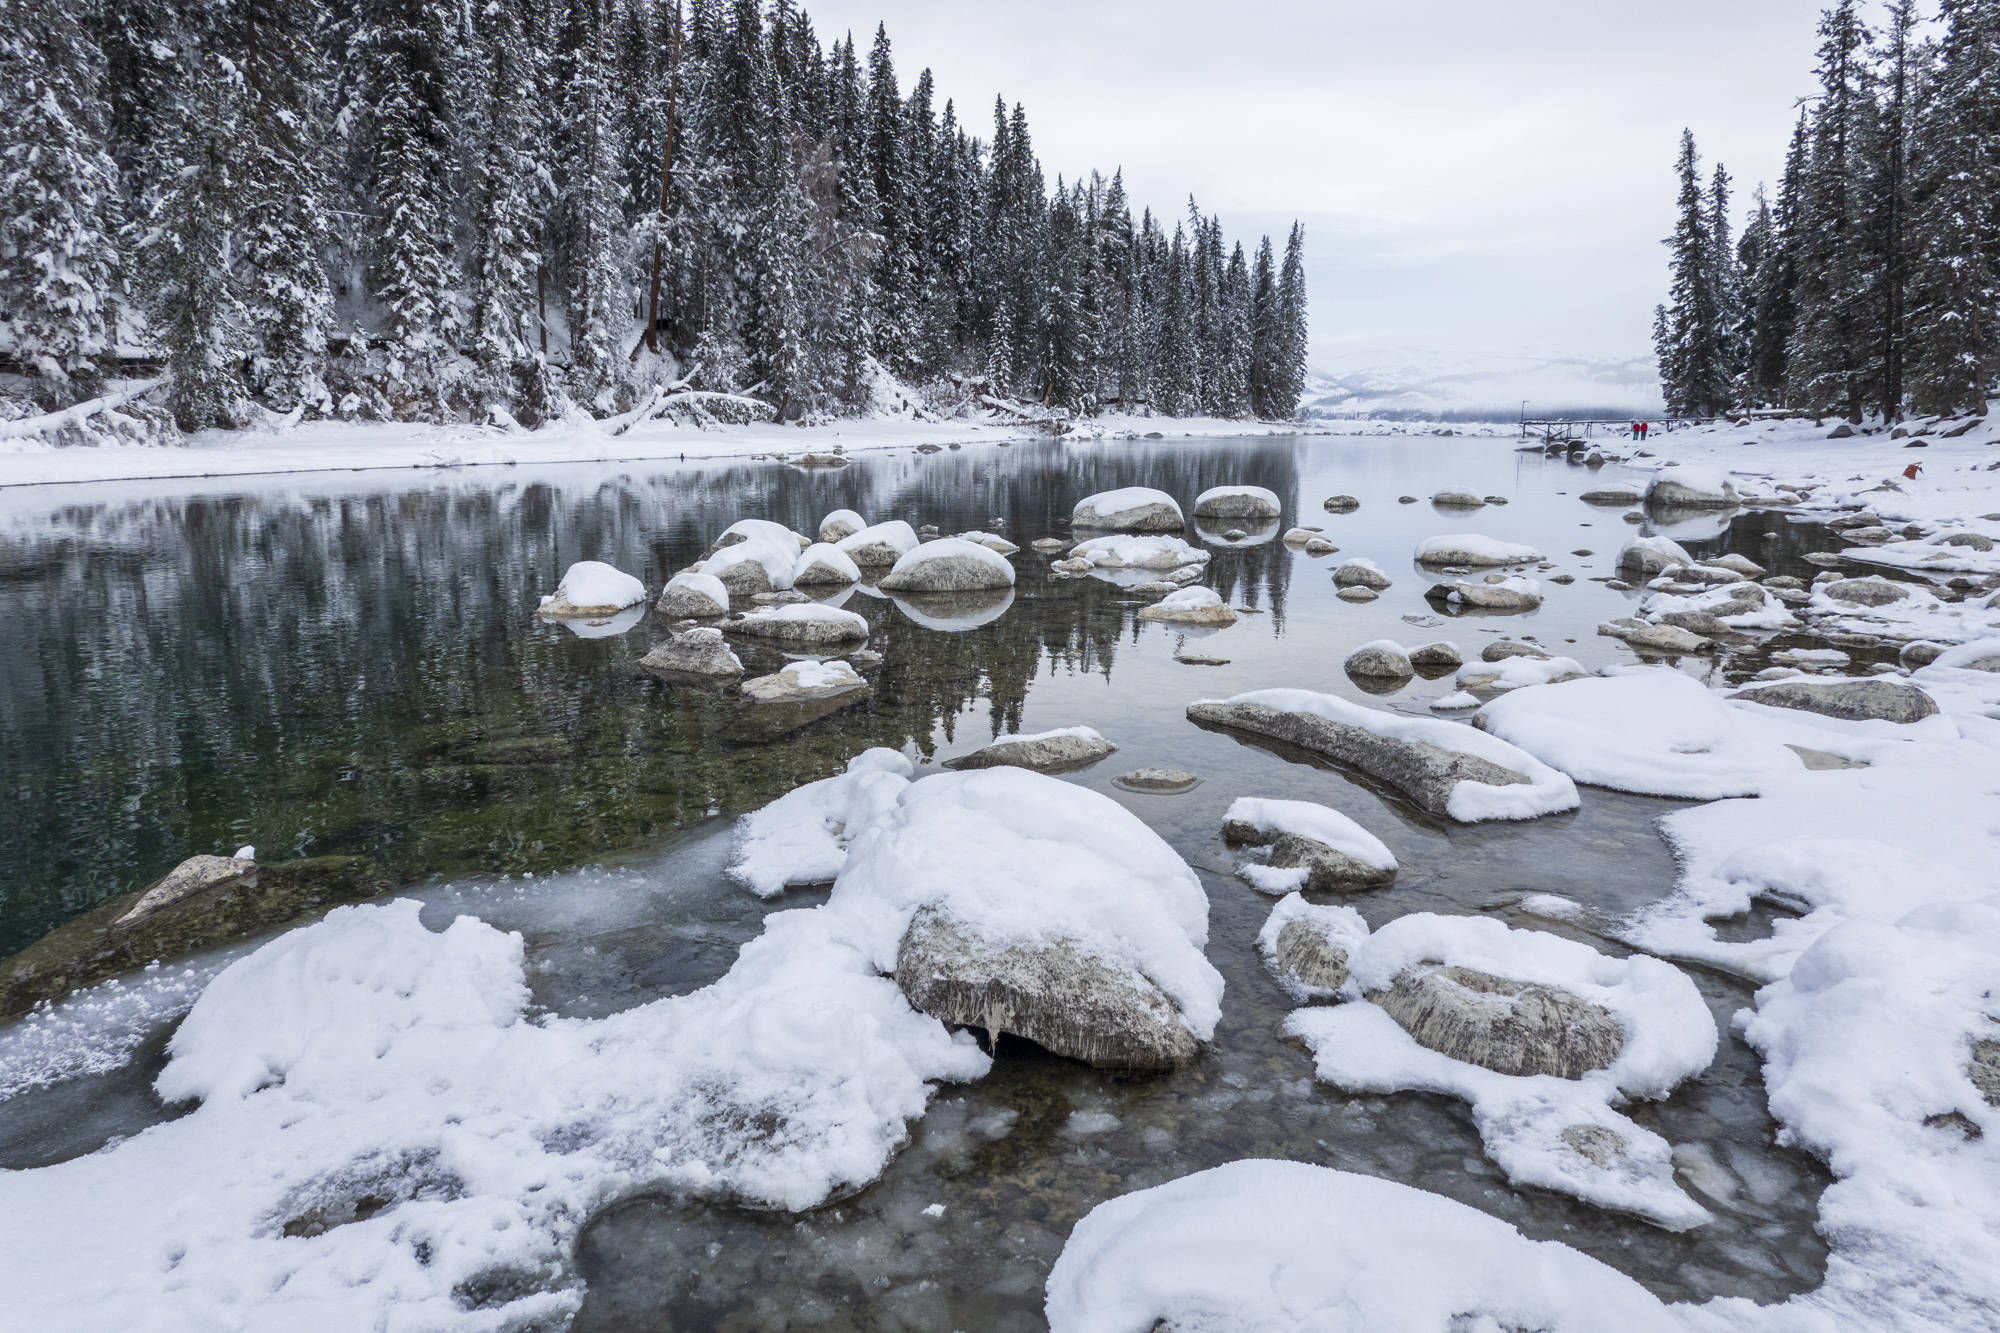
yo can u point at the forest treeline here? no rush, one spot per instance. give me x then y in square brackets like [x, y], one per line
[1872, 284]
[434, 209]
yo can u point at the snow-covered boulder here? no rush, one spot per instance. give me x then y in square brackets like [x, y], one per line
[1638, 634]
[1129, 552]
[1647, 556]
[805, 624]
[1865, 592]
[1306, 946]
[1360, 572]
[1515, 673]
[1253, 502]
[759, 529]
[1507, 1026]
[1501, 594]
[1458, 497]
[1131, 509]
[802, 837]
[591, 588]
[1474, 550]
[807, 682]
[693, 595]
[1501, 649]
[197, 875]
[1852, 700]
[949, 564]
[756, 563]
[693, 654]
[1191, 606]
[1044, 751]
[823, 565]
[1263, 1246]
[1436, 658]
[1444, 768]
[1381, 658]
[880, 544]
[1042, 909]
[1692, 488]
[1311, 846]
[992, 541]
[840, 525]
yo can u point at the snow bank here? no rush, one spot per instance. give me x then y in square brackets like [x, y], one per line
[1282, 1247]
[1651, 730]
[592, 585]
[1310, 820]
[802, 837]
[1472, 548]
[1554, 1133]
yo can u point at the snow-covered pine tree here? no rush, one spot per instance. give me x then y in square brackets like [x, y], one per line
[1233, 373]
[1177, 378]
[1752, 249]
[889, 169]
[1693, 369]
[1772, 299]
[1266, 351]
[1288, 378]
[510, 190]
[1954, 304]
[1886, 203]
[1731, 340]
[59, 200]
[1828, 360]
[594, 246]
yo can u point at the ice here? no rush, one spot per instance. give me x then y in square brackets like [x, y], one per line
[1649, 730]
[1310, 820]
[1523, 1120]
[98, 1029]
[802, 837]
[1263, 1246]
[590, 583]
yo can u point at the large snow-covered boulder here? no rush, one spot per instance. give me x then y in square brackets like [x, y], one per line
[1131, 509]
[1692, 488]
[823, 565]
[696, 654]
[1191, 606]
[693, 595]
[1124, 551]
[591, 588]
[949, 564]
[758, 563]
[1056, 751]
[803, 624]
[1312, 846]
[1444, 768]
[760, 530]
[840, 525]
[1265, 1246]
[1497, 1023]
[1647, 556]
[807, 683]
[1360, 572]
[880, 544]
[1248, 502]
[1474, 550]
[1037, 908]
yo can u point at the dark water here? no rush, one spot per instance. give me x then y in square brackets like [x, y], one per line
[332, 665]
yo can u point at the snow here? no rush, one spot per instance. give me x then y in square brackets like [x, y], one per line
[811, 675]
[831, 557]
[949, 548]
[1455, 701]
[1766, 613]
[802, 837]
[843, 516]
[1707, 480]
[591, 583]
[897, 535]
[778, 556]
[1107, 503]
[1190, 599]
[760, 529]
[1669, 1037]
[1310, 820]
[706, 584]
[811, 612]
[1928, 555]
[1488, 550]
[1665, 547]
[1261, 1246]
[1122, 550]
[1545, 792]
[1338, 924]
[1514, 673]
[1649, 730]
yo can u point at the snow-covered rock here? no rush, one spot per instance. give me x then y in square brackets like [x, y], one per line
[1445, 768]
[1473, 550]
[1458, 497]
[1647, 556]
[1865, 592]
[1311, 846]
[1692, 488]
[992, 541]
[807, 682]
[1360, 572]
[1381, 658]
[949, 564]
[692, 654]
[1129, 552]
[195, 876]
[1638, 634]
[1507, 594]
[803, 624]
[760, 530]
[693, 595]
[1043, 751]
[823, 565]
[1131, 509]
[801, 838]
[1306, 946]
[840, 525]
[757, 563]
[880, 543]
[1515, 673]
[1252, 502]
[1263, 1246]
[1191, 606]
[592, 588]
[1437, 657]
[1854, 700]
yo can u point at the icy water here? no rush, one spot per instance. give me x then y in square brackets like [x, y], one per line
[351, 665]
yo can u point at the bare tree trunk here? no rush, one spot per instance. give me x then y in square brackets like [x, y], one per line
[666, 188]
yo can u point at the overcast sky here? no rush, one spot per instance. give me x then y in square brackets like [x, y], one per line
[1475, 176]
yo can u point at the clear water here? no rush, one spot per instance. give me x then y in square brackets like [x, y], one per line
[342, 664]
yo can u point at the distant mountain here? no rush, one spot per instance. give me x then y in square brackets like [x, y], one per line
[1415, 384]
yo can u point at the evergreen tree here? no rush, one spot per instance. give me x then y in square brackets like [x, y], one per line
[1773, 283]
[598, 307]
[1827, 362]
[1693, 355]
[511, 187]
[1266, 352]
[1731, 324]
[1288, 380]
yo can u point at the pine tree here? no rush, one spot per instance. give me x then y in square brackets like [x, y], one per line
[1773, 284]
[1827, 362]
[1887, 205]
[59, 200]
[1731, 331]
[598, 305]
[1288, 380]
[1693, 366]
[511, 191]
[1266, 352]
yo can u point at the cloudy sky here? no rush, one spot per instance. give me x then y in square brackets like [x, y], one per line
[1476, 178]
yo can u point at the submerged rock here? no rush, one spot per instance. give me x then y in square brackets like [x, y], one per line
[801, 682]
[197, 874]
[1044, 752]
[1052, 993]
[1165, 781]
[696, 654]
[1510, 1027]
[1853, 700]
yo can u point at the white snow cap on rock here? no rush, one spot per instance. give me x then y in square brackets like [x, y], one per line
[1113, 509]
[1283, 1247]
[825, 563]
[707, 585]
[840, 523]
[1541, 1130]
[1258, 497]
[895, 534]
[1189, 599]
[1515, 673]
[592, 583]
[778, 556]
[955, 548]
[802, 837]
[761, 529]
[1123, 550]
[1482, 549]
[1309, 819]
[1649, 730]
